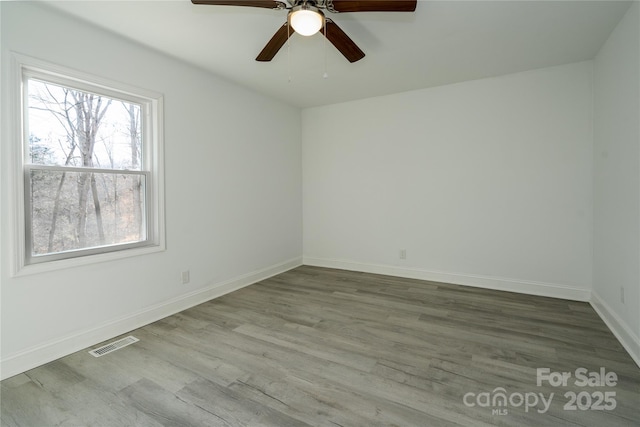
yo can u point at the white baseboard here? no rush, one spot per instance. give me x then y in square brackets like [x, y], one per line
[629, 340]
[497, 283]
[41, 354]
[618, 327]
[44, 353]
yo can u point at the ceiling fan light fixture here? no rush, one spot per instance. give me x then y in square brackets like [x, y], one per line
[306, 20]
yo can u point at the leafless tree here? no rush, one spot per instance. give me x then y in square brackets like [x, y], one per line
[89, 112]
[135, 141]
[80, 114]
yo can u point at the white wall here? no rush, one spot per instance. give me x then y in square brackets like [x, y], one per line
[617, 181]
[233, 196]
[484, 183]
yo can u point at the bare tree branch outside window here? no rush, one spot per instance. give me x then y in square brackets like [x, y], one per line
[86, 178]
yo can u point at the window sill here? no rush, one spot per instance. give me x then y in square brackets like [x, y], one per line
[45, 267]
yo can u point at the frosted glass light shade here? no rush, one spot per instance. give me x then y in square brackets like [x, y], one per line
[306, 22]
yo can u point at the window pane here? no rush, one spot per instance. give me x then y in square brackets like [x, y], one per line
[77, 210]
[69, 127]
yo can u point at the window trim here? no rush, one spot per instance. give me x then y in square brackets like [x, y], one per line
[152, 108]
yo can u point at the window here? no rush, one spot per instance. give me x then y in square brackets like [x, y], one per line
[91, 167]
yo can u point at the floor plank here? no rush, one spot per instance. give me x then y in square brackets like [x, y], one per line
[323, 347]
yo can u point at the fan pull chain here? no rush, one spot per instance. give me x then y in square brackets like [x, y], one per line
[325, 75]
[288, 52]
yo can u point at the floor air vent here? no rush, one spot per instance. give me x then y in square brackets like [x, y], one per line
[116, 345]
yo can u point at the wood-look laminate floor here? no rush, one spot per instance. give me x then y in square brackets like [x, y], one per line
[324, 347]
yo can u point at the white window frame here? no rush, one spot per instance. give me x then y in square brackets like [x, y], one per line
[153, 148]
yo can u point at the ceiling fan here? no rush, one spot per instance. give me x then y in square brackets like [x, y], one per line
[306, 18]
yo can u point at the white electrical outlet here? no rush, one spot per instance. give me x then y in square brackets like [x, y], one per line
[185, 277]
[403, 254]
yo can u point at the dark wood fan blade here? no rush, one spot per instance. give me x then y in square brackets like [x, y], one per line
[342, 42]
[375, 5]
[267, 4]
[274, 45]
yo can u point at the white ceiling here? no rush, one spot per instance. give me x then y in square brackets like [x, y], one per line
[442, 42]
